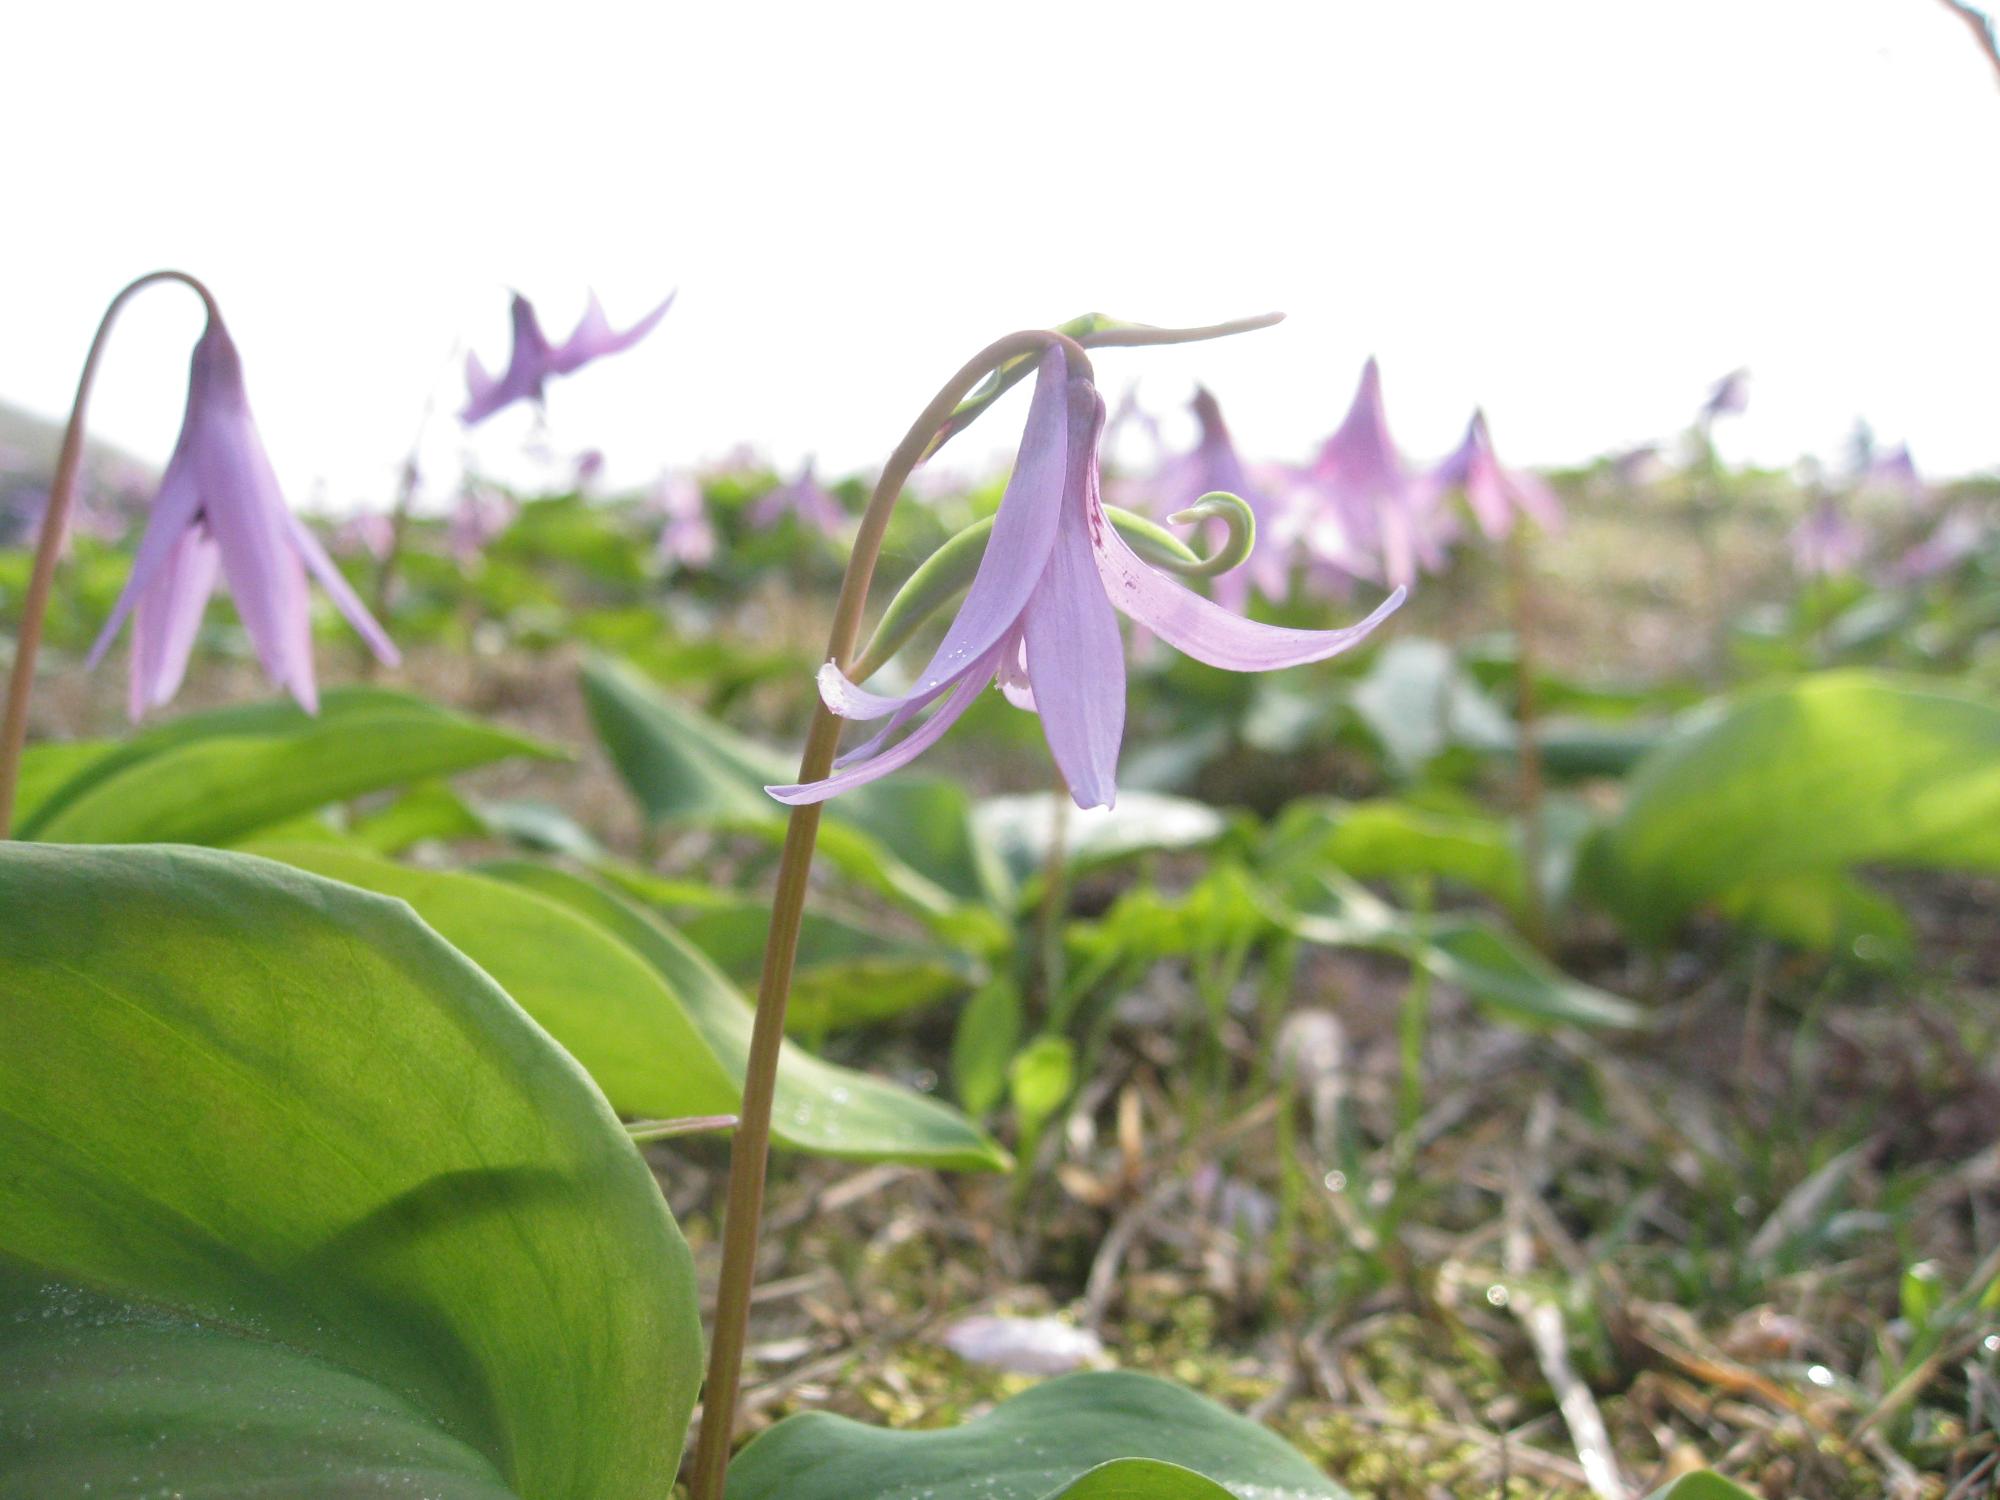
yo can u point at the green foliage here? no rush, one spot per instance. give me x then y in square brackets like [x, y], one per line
[657, 1026]
[211, 778]
[1703, 1486]
[1094, 1436]
[297, 1200]
[1803, 781]
[989, 1029]
[1040, 1077]
[909, 838]
[1023, 829]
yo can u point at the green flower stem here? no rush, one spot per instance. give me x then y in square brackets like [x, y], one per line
[48, 546]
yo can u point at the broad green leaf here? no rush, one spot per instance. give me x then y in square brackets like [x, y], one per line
[1810, 778]
[662, 1032]
[1022, 829]
[297, 1200]
[212, 778]
[1418, 702]
[1388, 839]
[48, 767]
[431, 810]
[1824, 910]
[1101, 1435]
[850, 971]
[909, 837]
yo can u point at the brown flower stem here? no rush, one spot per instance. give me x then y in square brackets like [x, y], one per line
[48, 546]
[749, 1151]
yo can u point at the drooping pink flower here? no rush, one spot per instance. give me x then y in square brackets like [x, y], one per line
[1495, 495]
[1371, 507]
[219, 511]
[1827, 542]
[804, 499]
[1041, 617]
[480, 515]
[1214, 465]
[533, 359]
[687, 540]
[1728, 397]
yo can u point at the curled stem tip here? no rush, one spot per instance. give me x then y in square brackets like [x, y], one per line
[1235, 513]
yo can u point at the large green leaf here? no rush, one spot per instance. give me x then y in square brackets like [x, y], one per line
[1419, 702]
[657, 1026]
[48, 767]
[1107, 1435]
[912, 838]
[850, 970]
[212, 778]
[296, 1201]
[1811, 778]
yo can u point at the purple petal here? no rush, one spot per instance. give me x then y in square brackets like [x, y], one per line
[168, 616]
[344, 598]
[594, 337]
[1076, 661]
[247, 516]
[920, 739]
[174, 511]
[1023, 533]
[1203, 629]
[528, 367]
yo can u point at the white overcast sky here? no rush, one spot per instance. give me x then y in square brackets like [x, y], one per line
[1576, 212]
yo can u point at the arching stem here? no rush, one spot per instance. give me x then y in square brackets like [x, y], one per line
[48, 545]
[749, 1151]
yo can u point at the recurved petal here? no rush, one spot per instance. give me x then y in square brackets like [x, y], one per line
[1203, 629]
[1023, 532]
[344, 598]
[967, 689]
[594, 336]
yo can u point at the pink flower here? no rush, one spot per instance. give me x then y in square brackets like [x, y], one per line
[1495, 495]
[688, 539]
[1370, 509]
[533, 359]
[1214, 465]
[219, 513]
[1041, 618]
[805, 500]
